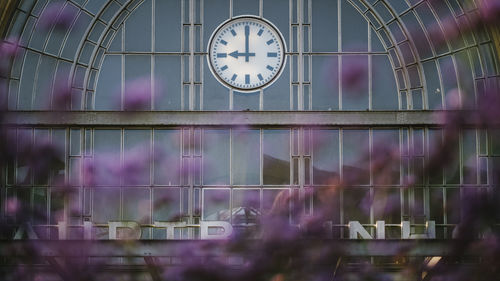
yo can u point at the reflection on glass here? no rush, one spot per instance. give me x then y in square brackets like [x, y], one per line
[357, 204]
[274, 200]
[245, 157]
[355, 157]
[216, 205]
[385, 157]
[246, 206]
[276, 157]
[325, 157]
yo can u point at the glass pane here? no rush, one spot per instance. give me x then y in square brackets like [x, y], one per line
[167, 90]
[357, 204]
[75, 36]
[453, 205]
[59, 141]
[277, 96]
[385, 157]
[245, 7]
[435, 146]
[325, 15]
[384, 89]
[387, 207]
[106, 205]
[167, 25]
[246, 206]
[138, 28]
[27, 80]
[418, 35]
[136, 205]
[449, 79]
[167, 151]
[246, 101]
[276, 168]
[326, 166]
[43, 87]
[166, 204]
[215, 95]
[109, 84]
[354, 29]
[273, 11]
[433, 85]
[275, 201]
[245, 157]
[136, 160]
[469, 157]
[356, 165]
[216, 157]
[216, 204]
[355, 82]
[213, 15]
[325, 82]
[107, 156]
[137, 92]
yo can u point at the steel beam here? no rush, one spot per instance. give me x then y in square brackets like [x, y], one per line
[232, 118]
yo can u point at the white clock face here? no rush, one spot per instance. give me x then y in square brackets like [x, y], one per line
[246, 53]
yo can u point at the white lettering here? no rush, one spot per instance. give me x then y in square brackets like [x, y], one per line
[222, 229]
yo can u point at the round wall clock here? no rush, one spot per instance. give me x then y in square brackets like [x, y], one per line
[246, 53]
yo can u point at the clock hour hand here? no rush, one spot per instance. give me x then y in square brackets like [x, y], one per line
[247, 34]
[237, 54]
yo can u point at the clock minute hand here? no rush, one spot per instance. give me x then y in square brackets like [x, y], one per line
[237, 54]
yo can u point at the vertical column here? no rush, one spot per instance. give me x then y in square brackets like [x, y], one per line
[300, 74]
[186, 177]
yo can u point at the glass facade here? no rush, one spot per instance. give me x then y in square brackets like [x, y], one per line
[192, 173]
[87, 71]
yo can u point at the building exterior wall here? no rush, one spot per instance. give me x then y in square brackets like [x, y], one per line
[196, 151]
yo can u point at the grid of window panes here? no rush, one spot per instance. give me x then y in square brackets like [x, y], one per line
[192, 173]
[112, 43]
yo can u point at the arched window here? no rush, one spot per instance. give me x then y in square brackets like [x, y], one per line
[400, 56]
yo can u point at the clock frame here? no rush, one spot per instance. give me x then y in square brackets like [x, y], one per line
[243, 39]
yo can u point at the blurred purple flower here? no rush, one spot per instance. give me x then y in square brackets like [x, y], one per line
[137, 94]
[9, 48]
[136, 160]
[61, 99]
[354, 75]
[453, 100]
[488, 105]
[490, 11]
[55, 15]
[12, 205]
[107, 167]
